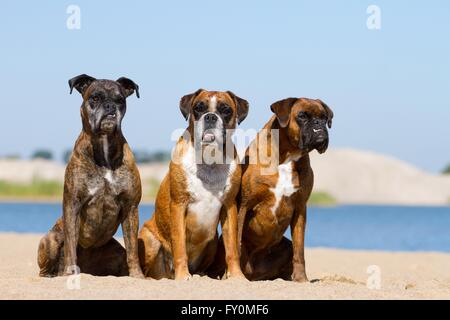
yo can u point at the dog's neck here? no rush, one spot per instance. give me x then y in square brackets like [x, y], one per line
[286, 150]
[107, 149]
[213, 176]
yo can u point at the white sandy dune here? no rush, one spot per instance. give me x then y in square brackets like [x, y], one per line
[353, 176]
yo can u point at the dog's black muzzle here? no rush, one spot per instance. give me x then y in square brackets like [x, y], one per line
[317, 138]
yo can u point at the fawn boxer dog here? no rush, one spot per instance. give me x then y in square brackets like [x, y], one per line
[102, 189]
[199, 190]
[274, 193]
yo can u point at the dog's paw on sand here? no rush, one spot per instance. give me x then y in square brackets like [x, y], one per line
[337, 278]
[237, 280]
[409, 286]
[34, 279]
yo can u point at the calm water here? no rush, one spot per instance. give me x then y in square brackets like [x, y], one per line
[352, 227]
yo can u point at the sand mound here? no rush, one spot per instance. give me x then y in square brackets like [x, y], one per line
[353, 176]
[24, 171]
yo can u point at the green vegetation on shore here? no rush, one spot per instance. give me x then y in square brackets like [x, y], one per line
[38, 188]
[446, 169]
[153, 187]
[321, 198]
[44, 190]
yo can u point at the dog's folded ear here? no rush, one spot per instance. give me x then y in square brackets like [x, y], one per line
[129, 86]
[330, 113]
[282, 110]
[186, 103]
[81, 83]
[242, 107]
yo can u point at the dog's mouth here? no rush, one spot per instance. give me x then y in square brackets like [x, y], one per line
[109, 122]
[208, 137]
[318, 140]
[321, 146]
[110, 117]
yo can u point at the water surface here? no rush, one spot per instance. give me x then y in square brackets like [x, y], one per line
[393, 228]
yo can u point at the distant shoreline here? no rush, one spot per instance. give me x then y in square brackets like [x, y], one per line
[47, 200]
[341, 176]
[12, 200]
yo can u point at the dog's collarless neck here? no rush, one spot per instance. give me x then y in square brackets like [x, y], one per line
[107, 150]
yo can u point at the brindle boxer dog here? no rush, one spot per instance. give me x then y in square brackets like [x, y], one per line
[102, 189]
[272, 200]
[198, 191]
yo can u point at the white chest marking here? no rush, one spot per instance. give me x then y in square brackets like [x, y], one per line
[284, 186]
[92, 190]
[207, 197]
[109, 176]
[206, 209]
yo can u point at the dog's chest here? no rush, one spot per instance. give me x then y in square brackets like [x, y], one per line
[286, 184]
[108, 183]
[106, 195]
[105, 199]
[207, 186]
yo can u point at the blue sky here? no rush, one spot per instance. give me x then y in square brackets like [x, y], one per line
[388, 88]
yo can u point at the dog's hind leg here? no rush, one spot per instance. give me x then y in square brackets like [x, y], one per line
[273, 263]
[50, 252]
[155, 262]
[218, 266]
[107, 260]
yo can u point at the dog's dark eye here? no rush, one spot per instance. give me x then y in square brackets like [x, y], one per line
[95, 98]
[303, 116]
[200, 107]
[225, 109]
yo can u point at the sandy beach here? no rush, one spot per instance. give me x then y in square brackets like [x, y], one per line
[334, 274]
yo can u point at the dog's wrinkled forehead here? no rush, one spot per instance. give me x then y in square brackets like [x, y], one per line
[108, 88]
[214, 99]
[311, 106]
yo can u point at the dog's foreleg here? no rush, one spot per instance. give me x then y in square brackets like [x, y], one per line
[178, 237]
[298, 225]
[71, 218]
[229, 221]
[130, 227]
[240, 225]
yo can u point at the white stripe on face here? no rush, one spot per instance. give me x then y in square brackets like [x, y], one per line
[213, 104]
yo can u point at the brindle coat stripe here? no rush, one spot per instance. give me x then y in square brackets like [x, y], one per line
[102, 189]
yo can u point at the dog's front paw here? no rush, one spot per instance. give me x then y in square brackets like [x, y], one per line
[183, 275]
[137, 273]
[235, 275]
[299, 277]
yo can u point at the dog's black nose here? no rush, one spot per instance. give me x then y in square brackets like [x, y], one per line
[210, 118]
[110, 108]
